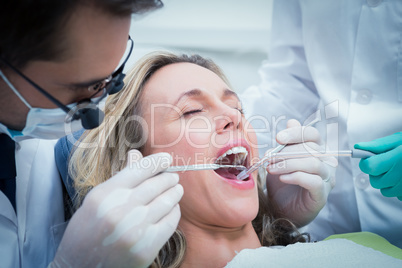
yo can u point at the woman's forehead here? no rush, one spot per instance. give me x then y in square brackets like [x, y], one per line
[171, 81]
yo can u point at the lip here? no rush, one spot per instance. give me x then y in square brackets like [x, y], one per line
[242, 185]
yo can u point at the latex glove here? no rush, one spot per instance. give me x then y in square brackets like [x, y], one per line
[301, 186]
[124, 221]
[385, 168]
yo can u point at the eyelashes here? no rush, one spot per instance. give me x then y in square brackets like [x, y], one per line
[241, 110]
[192, 112]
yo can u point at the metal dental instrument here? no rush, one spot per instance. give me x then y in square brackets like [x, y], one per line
[244, 170]
[246, 173]
[354, 153]
[202, 167]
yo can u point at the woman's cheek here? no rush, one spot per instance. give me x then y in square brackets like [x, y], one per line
[198, 132]
[161, 137]
[197, 140]
[251, 137]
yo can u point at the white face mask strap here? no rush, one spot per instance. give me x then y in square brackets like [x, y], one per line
[14, 90]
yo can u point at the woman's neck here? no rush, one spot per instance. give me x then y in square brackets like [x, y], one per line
[215, 247]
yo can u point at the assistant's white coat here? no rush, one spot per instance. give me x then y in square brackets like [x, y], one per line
[353, 53]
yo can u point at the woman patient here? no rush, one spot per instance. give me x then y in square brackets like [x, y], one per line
[184, 106]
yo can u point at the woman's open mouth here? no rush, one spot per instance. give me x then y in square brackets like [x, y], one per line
[237, 155]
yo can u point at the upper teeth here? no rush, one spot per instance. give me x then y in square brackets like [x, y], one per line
[240, 151]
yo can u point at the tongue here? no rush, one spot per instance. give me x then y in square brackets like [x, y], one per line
[228, 173]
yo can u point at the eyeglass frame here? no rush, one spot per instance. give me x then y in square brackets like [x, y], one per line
[73, 113]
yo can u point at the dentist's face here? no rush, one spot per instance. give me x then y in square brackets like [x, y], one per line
[94, 43]
[193, 115]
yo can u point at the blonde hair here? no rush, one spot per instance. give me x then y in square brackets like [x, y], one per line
[109, 145]
[111, 141]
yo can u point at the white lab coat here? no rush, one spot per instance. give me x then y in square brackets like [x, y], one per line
[31, 238]
[343, 58]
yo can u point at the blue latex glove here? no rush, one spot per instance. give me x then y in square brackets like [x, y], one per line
[385, 168]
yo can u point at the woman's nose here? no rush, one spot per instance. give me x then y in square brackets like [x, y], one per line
[230, 119]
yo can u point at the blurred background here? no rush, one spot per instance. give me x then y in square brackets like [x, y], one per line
[235, 34]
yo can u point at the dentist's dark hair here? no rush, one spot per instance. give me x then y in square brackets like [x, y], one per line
[35, 29]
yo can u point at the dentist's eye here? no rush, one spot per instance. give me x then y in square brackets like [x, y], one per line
[192, 112]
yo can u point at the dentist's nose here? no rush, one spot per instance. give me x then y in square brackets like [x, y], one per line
[229, 120]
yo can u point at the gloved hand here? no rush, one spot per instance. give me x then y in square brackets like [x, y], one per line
[301, 186]
[124, 221]
[385, 168]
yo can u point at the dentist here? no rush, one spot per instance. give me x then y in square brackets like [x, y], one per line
[58, 59]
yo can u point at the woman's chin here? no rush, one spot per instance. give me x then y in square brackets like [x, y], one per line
[238, 222]
[239, 215]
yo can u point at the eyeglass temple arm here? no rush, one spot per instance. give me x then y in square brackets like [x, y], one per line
[50, 97]
[41, 90]
[120, 70]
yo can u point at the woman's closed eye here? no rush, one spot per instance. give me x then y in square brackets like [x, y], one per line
[195, 111]
[241, 110]
[191, 112]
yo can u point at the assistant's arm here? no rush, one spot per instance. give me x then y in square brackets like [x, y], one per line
[286, 89]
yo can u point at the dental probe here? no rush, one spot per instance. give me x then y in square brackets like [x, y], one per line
[246, 173]
[354, 153]
[202, 167]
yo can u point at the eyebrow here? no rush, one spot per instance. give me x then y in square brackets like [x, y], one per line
[197, 92]
[230, 93]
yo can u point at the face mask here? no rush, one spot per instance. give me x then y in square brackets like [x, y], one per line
[41, 123]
